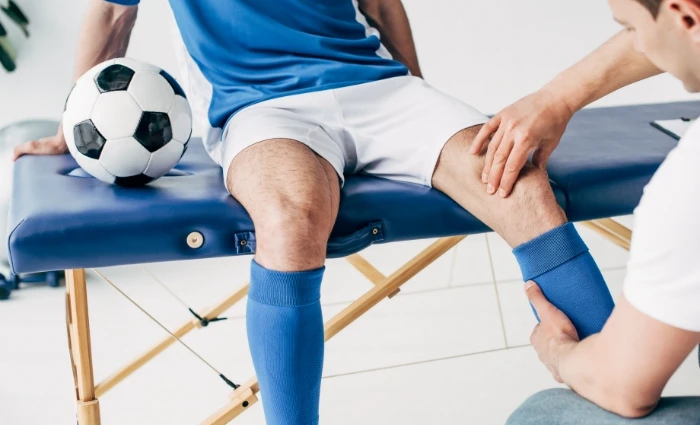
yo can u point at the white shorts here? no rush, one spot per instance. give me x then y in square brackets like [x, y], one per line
[393, 128]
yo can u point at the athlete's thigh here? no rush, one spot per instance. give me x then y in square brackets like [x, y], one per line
[279, 159]
[284, 174]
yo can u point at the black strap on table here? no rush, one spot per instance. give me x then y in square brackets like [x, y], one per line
[204, 321]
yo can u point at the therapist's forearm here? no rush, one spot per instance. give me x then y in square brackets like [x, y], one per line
[389, 17]
[587, 369]
[626, 366]
[612, 66]
[104, 34]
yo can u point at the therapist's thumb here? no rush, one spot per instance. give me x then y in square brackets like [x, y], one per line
[537, 299]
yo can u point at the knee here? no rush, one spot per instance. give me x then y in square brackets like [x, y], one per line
[292, 235]
[533, 192]
[533, 184]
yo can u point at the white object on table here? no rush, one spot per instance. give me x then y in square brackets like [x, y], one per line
[674, 128]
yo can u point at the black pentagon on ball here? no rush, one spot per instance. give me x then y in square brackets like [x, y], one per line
[133, 181]
[88, 139]
[173, 83]
[114, 78]
[154, 130]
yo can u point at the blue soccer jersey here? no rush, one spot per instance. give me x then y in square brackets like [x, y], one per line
[255, 50]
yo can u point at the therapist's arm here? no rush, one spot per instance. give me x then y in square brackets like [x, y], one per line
[624, 368]
[104, 35]
[537, 122]
[389, 17]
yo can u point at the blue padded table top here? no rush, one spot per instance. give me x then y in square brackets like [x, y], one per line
[59, 220]
[608, 155]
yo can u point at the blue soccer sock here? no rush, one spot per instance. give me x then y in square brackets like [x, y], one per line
[561, 265]
[285, 334]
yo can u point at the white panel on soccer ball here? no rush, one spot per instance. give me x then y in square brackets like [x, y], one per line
[82, 99]
[116, 115]
[69, 121]
[124, 157]
[93, 167]
[152, 92]
[70, 139]
[78, 108]
[136, 65]
[164, 159]
[92, 72]
[181, 119]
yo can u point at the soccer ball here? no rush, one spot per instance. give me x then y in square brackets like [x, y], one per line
[127, 122]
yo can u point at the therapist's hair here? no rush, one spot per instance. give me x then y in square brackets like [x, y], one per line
[652, 5]
[655, 5]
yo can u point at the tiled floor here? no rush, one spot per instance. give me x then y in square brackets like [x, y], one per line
[450, 349]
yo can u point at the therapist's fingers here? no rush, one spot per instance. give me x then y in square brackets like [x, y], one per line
[499, 162]
[490, 153]
[516, 162]
[484, 133]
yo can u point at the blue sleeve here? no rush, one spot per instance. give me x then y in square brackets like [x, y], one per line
[124, 2]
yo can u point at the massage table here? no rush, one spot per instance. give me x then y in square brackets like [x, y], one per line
[61, 219]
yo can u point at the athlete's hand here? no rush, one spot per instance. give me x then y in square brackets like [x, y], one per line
[52, 145]
[535, 123]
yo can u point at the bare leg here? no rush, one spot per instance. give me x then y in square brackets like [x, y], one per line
[530, 220]
[528, 212]
[292, 196]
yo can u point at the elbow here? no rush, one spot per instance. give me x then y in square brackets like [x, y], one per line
[632, 410]
[631, 403]
[118, 15]
[126, 17]
[377, 10]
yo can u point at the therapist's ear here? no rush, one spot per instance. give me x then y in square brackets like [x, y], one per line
[688, 12]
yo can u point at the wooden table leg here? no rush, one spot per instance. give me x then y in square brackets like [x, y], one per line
[612, 230]
[78, 323]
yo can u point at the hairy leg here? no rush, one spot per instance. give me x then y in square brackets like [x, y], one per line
[549, 251]
[529, 212]
[292, 196]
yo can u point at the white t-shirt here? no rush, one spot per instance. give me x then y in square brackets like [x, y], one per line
[663, 277]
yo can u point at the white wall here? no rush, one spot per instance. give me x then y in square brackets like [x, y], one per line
[487, 53]
[38, 88]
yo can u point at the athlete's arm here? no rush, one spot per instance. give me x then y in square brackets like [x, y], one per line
[389, 17]
[104, 35]
[537, 122]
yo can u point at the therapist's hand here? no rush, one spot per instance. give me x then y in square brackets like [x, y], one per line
[535, 123]
[554, 335]
[52, 145]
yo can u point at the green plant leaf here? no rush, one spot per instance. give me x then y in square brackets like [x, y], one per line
[7, 53]
[15, 13]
